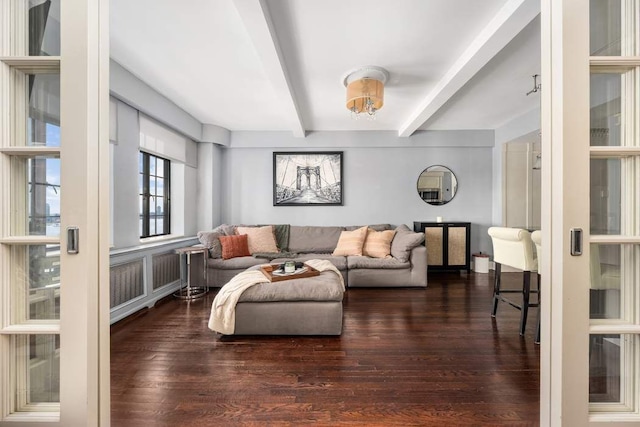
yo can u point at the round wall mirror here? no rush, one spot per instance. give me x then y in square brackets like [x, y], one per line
[437, 185]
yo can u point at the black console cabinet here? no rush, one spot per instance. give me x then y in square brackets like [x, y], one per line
[448, 244]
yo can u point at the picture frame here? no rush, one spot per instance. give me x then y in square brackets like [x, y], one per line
[308, 178]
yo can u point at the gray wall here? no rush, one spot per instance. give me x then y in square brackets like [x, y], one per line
[234, 184]
[191, 205]
[125, 184]
[125, 178]
[380, 176]
[523, 128]
[130, 89]
[209, 187]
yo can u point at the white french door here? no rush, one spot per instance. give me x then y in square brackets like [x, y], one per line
[54, 317]
[590, 358]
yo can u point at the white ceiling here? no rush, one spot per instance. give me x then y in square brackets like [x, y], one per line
[279, 64]
[497, 93]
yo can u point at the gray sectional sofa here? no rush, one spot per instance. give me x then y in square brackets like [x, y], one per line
[406, 268]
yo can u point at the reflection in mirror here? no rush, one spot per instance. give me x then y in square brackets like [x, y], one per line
[437, 185]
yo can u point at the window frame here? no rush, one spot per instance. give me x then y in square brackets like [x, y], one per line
[146, 215]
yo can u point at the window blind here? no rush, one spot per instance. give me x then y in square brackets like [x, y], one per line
[158, 139]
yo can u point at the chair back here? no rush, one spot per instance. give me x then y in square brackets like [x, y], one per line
[536, 237]
[513, 247]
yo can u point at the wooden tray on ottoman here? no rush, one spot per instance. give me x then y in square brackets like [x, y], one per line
[268, 271]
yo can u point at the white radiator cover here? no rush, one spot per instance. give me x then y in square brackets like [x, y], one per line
[126, 282]
[166, 269]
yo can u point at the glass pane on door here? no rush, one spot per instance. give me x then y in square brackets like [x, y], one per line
[606, 196]
[604, 368]
[37, 370]
[609, 33]
[35, 188]
[606, 109]
[611, 371]
[35, 282]
[607, 290]
[43, 115]
[44, 28]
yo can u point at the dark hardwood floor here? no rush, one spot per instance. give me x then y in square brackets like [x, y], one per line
[406, 357]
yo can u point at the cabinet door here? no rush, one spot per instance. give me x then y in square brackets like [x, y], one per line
[457, 245]
[434, 241]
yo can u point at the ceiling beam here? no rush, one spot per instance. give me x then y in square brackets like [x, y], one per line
[508, 22]
[259, 25]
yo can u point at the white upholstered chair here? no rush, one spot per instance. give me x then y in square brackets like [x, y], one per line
[536, 237]
[513, 247]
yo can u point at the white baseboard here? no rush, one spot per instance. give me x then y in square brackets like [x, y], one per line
[135, 305]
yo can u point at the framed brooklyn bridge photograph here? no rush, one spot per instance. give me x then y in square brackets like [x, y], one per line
[307, 178]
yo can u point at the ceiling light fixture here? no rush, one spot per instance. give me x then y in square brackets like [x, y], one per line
[365, 90]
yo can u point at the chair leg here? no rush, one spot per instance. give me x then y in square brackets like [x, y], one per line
[496, 289]
[526, 292]
[537, 340]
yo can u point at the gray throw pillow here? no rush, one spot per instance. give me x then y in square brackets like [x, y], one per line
[226, 229]
[211, 239]
[403, 242]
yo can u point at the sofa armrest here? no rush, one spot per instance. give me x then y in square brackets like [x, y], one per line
[418, 260]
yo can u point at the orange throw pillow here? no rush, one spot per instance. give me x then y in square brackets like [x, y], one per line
[234, 246]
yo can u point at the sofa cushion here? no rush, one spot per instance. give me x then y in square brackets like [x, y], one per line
[355, 262]
[325, 287]
[312, 239]
[404, 241]
[378, 243]
[261, 239]
[351, 242]
[376, 227]
[234, 246]
[238, 263]
[339, 261]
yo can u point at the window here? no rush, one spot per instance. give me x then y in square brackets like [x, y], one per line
[154, 200]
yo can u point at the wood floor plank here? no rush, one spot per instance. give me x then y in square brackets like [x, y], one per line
[406, 357]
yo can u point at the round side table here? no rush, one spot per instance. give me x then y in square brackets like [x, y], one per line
[188, 292]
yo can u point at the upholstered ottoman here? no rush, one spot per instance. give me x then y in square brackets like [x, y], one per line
[306, 306]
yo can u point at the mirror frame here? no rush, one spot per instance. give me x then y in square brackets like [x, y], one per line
[439, 191]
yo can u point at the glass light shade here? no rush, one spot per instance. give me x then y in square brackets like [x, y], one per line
[362, 92]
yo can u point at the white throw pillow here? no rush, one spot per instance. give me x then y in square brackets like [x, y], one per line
[261, 239]
[351, 242]
[378, 243]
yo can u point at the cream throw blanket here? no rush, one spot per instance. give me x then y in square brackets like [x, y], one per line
[223, 309]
